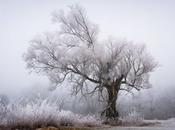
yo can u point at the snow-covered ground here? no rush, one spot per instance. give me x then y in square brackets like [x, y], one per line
[160, 125]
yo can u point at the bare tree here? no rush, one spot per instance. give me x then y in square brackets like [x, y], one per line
[75, 55]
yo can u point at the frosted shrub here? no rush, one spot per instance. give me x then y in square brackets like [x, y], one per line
[44, 113]
[90, 121]
[133, 118]
[3, 113]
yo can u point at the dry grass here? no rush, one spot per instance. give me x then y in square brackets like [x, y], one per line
[47, 128]
[43, 114]
[64, 128]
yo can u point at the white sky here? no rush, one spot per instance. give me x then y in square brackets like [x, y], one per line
[146, 21]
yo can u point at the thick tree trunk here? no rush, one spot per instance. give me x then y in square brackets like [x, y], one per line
[111, 112]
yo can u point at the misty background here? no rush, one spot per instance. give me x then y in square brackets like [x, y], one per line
[141, 21]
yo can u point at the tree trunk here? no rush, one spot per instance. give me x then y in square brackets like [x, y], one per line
[112, 89]
[111, 111]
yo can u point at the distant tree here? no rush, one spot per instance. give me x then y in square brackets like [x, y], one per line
[4, 101]
[75, 55]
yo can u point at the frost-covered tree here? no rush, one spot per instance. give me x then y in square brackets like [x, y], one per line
[4, 101]
[73, 54]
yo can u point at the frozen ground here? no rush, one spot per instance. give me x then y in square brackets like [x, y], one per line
[160, 125]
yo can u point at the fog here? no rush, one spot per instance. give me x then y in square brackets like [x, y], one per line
[141, 21]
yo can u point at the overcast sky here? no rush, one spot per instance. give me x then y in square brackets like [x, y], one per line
[144, 21]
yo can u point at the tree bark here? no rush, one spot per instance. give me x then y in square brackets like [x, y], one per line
[111, 111]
